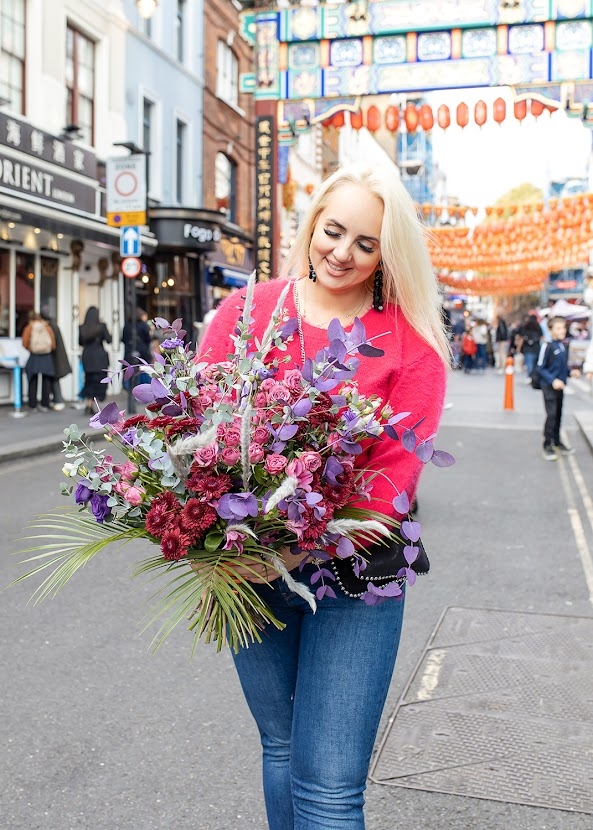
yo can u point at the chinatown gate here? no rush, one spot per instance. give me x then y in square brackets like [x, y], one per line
[315, 61]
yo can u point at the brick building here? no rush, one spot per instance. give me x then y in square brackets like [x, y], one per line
[228, 143]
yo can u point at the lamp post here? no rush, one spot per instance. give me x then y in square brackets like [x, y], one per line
[146, 8]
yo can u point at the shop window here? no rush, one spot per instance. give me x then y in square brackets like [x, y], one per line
[12, 54]
[179, 160]
[80, 83]
[4, 293]
[148, 138]
[227, 75]
[225, 185]
[180, 30]
[48, 288]
[24, 290]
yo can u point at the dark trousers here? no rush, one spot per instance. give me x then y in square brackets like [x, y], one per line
[45, 390]
[553, 399]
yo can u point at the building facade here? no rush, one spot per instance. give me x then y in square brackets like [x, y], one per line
[62, 108]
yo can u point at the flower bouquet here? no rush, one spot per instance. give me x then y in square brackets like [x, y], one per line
[236, 458]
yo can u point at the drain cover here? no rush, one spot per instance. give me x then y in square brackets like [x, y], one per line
[500, 707]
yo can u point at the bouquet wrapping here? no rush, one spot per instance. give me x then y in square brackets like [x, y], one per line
[233, 462]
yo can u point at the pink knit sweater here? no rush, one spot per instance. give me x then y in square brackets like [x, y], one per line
[411, 376]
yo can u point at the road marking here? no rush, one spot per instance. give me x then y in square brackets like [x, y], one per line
[577, 529]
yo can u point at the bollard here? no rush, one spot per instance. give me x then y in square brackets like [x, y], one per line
[18, 393]
[509, 380]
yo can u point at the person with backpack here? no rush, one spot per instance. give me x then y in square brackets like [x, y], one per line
[61, 363]
[550, 374]
[95, 360]
[501, 345]
[39, 340]
[531, 334]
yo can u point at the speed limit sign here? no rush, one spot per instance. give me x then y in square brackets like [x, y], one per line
[130, 266]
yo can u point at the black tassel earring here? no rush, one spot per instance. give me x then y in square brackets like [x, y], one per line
[378, 290]
[312, 274]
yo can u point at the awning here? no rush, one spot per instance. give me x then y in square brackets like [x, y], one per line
[231, 276]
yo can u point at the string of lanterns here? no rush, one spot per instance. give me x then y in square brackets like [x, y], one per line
[517, 246]
[422, 117]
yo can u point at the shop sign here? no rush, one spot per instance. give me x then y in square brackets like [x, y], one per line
[264, 143]
[42, 184]
[27, 139]
[201, 233]
[233, 251]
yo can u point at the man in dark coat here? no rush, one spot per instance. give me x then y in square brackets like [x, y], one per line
[62, 365]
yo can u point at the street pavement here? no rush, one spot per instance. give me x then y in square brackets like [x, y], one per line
[100, 734]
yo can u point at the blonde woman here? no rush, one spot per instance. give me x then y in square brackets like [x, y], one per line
[317, 688]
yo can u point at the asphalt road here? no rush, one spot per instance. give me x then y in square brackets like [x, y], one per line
[99, 734]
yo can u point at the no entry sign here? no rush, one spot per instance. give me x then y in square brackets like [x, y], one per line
[130, 266]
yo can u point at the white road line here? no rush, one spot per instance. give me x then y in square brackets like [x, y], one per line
[577, 529]
[584, 493]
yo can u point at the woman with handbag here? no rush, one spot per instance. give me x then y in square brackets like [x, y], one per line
[95, 360]
[317, 688]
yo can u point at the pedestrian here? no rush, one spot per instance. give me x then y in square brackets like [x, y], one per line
[95, 360]
[480, 336]
[469, 349]
[137, 338]
[501, 344]
[552, 368]
[588, 364]
[62, 366]
[317, 688]
[531, 334]
[456, 352]
[39, 340]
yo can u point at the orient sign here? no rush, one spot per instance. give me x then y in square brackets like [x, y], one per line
[44, 185]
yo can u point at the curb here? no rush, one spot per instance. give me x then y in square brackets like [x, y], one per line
[42, 447]
[584, 419]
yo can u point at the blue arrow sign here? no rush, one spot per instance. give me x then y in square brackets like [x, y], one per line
[130, 242]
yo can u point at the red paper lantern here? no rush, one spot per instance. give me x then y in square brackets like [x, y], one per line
[392, 118]
[426, 118]
[520, 110]
[480, 113]
[443, 116]
[499, 110]
[462, 115]
[536, 107]
[338, 120]
[356, 120]
[411, 118]
[373, 119]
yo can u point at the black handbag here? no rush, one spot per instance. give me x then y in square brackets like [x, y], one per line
[383, 564]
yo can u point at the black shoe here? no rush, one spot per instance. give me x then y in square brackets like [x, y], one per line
[564, 450]
[549, 454]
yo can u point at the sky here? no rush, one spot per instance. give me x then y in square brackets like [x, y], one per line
[482, 164]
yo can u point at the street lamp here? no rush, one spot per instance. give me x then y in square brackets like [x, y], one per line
[146, 8]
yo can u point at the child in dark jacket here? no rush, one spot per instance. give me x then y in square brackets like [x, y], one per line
[553, 372]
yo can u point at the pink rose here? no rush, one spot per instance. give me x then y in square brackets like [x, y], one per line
[127, 470]
[134, 495]
[297, 469]
[267, 384]
[277, 392]
[256, 453]
[311, 461]
[275, 463]
[206, 456]
[260, 435]
[333, 439]
[230, 455]
[205, 399]
[259, 399]
[220, 430]
[232, 437]
[293, 381]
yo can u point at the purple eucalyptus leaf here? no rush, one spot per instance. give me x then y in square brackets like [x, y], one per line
[351, 447]
[392, 589]
[313, 498]
[389, 430]
[172, 409]
[320, 592]
[338, 400]
[288, 329]
[161, 323]
[159, 358]
[329, 592]
[370, 351]
[335, 331]
[440, 458]
[332, 469]
[326, 385]
[337, 350]
[315, 576]
[345, 548]
[411, 553]
[402, 503]
[411, 530]
[288, 431]
[395, 419]
[358, 333]
[176, 324]
[410, 576]
[160, 390]
[409, 440]
[425, 451]
[307, 371]
[302, 408]
[108, 415]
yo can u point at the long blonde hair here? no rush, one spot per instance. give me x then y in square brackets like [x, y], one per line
[408, 278]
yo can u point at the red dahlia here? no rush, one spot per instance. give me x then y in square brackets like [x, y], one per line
[133, 421]
[163, 510]
[209, 486]
[174, 544]
[196, 517]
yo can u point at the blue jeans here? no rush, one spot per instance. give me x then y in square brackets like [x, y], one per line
[530, 358]
[481, 356]
[317, 691]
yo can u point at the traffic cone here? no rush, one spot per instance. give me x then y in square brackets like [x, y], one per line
[509, 382]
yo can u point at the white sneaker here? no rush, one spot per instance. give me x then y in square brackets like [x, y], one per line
[57, 407]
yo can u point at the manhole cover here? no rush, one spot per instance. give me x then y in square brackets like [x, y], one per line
[500, 707]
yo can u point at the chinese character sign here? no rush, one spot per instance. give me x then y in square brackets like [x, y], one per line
[265, 202]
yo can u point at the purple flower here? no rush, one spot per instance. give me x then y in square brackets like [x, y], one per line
[99, 507]
[171, 343]
[237, 506]
[83, 492]
[131, 437]
[110, 414]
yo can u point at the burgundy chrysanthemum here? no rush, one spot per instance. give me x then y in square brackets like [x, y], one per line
[208, 486]
[162, 513]
[196, 517]
[189, 425]
[133, 421]
[175, 544]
